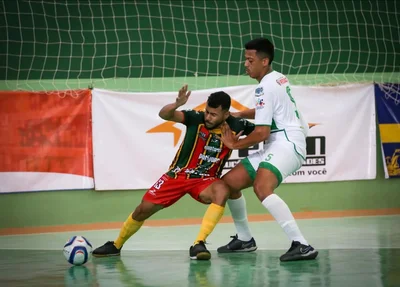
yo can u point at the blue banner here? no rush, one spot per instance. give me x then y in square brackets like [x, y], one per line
[387, 97]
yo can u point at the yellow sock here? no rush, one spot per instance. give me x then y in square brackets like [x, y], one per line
[210, 220]
[129, 228]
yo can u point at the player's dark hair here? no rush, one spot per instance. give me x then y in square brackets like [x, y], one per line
[263, 46]
[219, 99]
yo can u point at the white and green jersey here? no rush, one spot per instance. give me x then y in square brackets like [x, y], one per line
[276, 107]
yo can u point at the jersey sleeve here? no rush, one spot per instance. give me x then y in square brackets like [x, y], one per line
[264, 107]
[239, 124]
[248, 127]
[192, 117]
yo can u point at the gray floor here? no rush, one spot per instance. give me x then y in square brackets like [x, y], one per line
[356, 251]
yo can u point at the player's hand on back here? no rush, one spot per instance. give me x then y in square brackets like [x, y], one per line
[228, 137]
[183, 96]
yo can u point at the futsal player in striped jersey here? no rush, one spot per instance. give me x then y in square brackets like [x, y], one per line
[195, 170]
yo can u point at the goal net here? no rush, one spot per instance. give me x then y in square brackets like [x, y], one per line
[158, 45]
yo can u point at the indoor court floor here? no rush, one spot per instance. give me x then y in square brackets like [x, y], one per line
[353, 251]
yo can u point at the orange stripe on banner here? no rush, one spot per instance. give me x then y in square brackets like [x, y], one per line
[390, 133]
[46, 132]
[193, 221]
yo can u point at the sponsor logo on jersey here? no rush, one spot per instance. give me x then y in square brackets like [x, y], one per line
[208, 158]
[202, 135]
[176, 169]
[214, 139]
[260, 104]
[282, 80]
[259, 92]
[195, 171]
[212, 148]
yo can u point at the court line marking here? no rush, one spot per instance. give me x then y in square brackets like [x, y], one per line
[195, 221]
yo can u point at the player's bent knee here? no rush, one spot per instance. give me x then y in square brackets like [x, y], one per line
[221, 193]
[206, 198]
[217, 193]
[235, 194]
[237, 179]
[221, 198]
[263, 189]
[263, 192]
[144, 210]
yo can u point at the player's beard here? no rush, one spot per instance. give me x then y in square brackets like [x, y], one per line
[211, 127]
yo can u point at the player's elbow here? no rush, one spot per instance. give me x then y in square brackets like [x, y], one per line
[164, 115]
[263, 133]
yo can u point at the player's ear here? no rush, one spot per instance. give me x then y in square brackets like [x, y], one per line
[226, 115]
[265, 61]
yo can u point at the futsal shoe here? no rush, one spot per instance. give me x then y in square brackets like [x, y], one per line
[299, 251]
[106, 250]
[237, 245]
[199, 251]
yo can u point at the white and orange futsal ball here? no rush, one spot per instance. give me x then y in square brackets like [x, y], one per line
[77, 250]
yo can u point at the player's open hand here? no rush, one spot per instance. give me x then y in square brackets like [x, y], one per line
[183, 96]
[228, 137]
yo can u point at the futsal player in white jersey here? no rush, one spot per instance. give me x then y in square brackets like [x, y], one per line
[283, 131]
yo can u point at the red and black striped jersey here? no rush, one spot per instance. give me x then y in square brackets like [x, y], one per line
[201, 153]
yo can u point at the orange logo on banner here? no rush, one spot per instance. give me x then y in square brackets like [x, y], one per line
[169, 127]
[46, 132]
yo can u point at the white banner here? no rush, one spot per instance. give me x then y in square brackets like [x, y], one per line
[38, 181]
[342, 143]
[133, 146]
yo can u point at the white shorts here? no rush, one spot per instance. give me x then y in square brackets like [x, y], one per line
[280, 157]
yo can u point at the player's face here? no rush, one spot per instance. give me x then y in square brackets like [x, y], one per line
[213, 117]
[255, 66]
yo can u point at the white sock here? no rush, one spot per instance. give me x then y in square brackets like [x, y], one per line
[281, 212]
[239, 215]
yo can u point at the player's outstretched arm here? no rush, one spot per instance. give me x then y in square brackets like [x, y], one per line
[169, 112]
